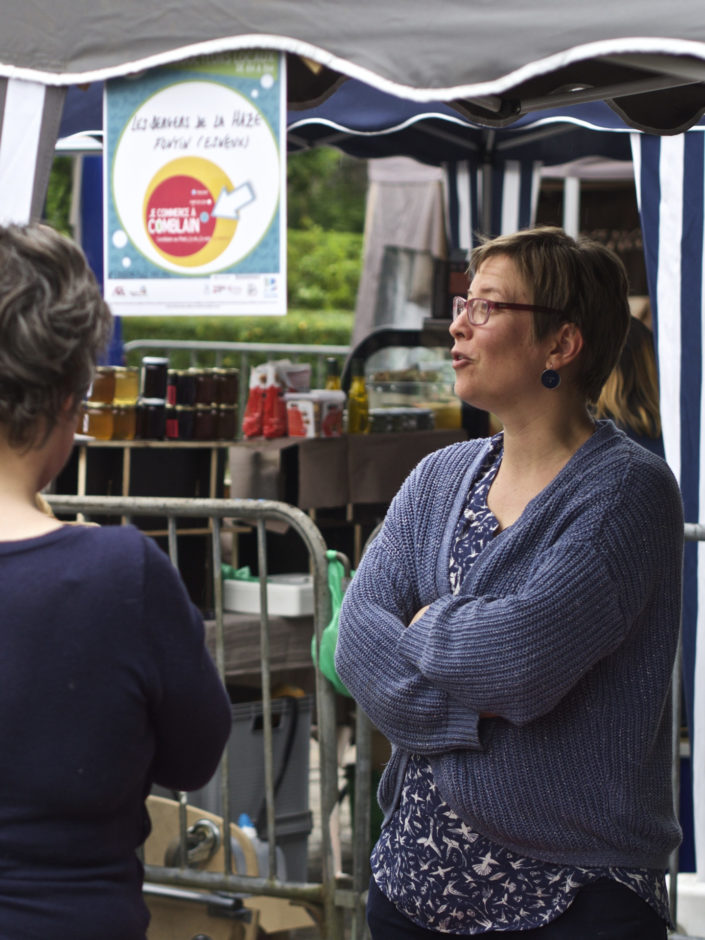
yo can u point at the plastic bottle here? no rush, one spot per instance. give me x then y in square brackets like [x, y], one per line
[261, 851]
[358, 402]
[332, 374]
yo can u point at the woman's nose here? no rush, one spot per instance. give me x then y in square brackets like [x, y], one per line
[459, 327]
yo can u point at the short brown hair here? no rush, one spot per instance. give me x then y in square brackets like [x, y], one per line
[581, 277]
[53, 325]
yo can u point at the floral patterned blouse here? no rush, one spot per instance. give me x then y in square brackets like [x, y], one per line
[440, 873]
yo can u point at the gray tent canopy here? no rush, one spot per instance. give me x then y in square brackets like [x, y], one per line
[492, 62]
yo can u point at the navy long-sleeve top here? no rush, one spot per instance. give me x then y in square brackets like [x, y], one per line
[105, 687]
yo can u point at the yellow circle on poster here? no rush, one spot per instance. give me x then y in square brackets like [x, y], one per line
[178, 211]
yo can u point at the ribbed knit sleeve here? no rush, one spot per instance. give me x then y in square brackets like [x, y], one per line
[384, 595]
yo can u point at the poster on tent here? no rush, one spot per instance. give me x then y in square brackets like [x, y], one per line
[195, 188]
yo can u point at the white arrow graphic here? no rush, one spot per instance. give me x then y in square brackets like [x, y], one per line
[228, 204]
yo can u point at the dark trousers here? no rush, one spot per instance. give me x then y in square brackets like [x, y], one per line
[603, 910]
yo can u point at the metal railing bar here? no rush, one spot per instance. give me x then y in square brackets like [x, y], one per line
[249, 510]
[266, 697]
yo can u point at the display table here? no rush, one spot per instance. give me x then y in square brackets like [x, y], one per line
[135, 466]
[180, 469]
[320, 473]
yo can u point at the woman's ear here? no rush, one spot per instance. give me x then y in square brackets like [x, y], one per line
[567, 344]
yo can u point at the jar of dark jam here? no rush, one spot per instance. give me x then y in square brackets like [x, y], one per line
[152, 419]
[154, 377]
[185, 418]
[226, 426]
[226, 386]
[205, 422]
[205, 386]
[186, 387]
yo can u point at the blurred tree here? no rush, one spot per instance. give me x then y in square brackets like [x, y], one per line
[326, 189]
[57, 209]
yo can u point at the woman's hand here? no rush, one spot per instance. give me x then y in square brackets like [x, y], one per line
[418, 614]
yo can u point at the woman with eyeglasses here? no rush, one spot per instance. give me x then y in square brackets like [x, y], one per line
[513, 627]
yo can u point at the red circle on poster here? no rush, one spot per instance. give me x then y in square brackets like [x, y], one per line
[179, 219]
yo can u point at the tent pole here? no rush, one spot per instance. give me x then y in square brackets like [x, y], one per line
[571, 205]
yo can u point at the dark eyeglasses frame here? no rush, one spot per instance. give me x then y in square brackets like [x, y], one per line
[463, 305]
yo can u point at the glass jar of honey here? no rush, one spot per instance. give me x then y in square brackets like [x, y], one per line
[124, 422]
[127, 385]
[98, 420]
[103, 386]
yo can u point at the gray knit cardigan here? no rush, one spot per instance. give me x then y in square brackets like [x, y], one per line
[565, 628]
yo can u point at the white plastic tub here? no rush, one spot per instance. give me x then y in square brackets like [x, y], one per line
[288, 595]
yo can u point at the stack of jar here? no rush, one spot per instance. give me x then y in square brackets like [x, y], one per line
[110, 411]
[157, 403]
[201, 404]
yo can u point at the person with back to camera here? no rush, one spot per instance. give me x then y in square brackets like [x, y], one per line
[512, 629]
[630, 395]
[105, 682]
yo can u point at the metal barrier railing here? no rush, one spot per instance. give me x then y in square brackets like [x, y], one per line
[694, 532]
[328, 895]
[244, 353]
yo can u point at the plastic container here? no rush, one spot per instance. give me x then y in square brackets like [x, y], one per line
[318, 413]
[291, 731]
[261, 851]
[288, 595]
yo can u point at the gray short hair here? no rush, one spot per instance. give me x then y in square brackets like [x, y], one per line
[54, 324]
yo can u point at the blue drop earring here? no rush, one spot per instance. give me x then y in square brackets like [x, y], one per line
[550, 378]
